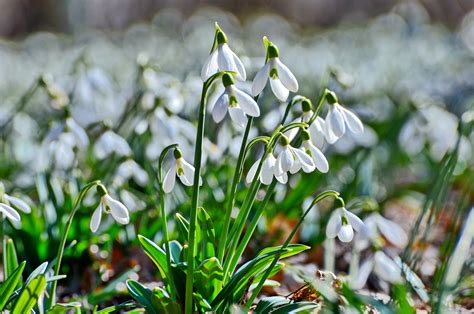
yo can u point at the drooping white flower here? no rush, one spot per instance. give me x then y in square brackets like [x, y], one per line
[292, 159]
[317, 155]
[108, 205]
[130, 169]
[337, 120]
[282, 80]
[316, 128]
[342, 224]
[110, 142]
[182, 169]
[267, 172]
[378, 225]
[222, 58]
[238, 103]
[7, 203]
[381, 265]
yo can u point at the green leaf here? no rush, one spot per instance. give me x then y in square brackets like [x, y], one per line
[29, 295]
[249, 270]
[8, 287]
[208, 278]
[201, 303]
[299, 307]
[156, 301]
[265, 305]
[183, 227]
[205, 235]
[41, 269]
[115, 308]
[175, 250]
[156, 254]
[10, 259]
[60, 308]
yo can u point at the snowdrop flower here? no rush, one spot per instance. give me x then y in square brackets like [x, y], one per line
[316, 129]
[342, 224]
[338, 118]
[80, 136]
[236, 102]
[222, 58]
[282, 80]
[108, 205]
[381, 265]
[6, 206]
[130, 169]
[182, 169]
[377, 225]
[315, 153]
[292, 159]
[109, 143]
[267, 171]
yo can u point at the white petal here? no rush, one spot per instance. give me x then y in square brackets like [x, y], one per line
[210, 66]
[10, 213]
[96, 217]
[283, 178]
[280, 91]
[79, 133]
[140, 176]
[284, 161]
[238, 116]
[319, 159]
[20, 204]
[386, 268]
[188, 176]
[346, 234]
[260, 80]
[296, 166]
[307, 163]
[286, 76]
[335, 121]
[362, 275]
[169, 180]
[118, 210]
[220, 108]
[331, 138]
[225, 59]
[266, 174]
[353, 122]
[241, 74]
[252, 171]
[392, 232]
[334, 225]
[247, 103]
[355, 221]
[316, 129]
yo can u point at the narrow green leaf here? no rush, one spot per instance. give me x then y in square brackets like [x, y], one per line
[10, 259]
[208, 278]
[265, 305]
[183, 227]
[115, 308]
[29, 295]
[156, 254]
[299, 307]
[205, 235]
[61, 308]
[156, 301]
[8, 287]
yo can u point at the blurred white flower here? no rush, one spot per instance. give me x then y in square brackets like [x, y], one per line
[222, 58]
[282, 80]
[236, 102]
[7, 203]
[108, 205]
[182, 169]
[336, 121]
[110, 142]
[342, 224]
[131, 169]
[267, 171]
[377, 225]
[383, 266]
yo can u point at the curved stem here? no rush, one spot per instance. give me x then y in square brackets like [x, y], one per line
[164, 223]
[62, 244]
[316, 200]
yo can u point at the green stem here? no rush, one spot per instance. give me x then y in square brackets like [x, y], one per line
[318, 198]
[233, 190]
[164, 223]
[60, 253]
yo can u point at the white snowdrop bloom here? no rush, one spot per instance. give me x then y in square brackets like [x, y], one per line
[338, 120]
[108, 205]
[222, 58]
[182, 169]
[317, 155]
[282, 80]
[80, 135]
[381, 265]
[316, 128]
[267, 172]
[7, 203]
[238, 103]
[377, 225]
[342, 224]
[62, 150]
[292, 159]
[109, 143]
[130, 169]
